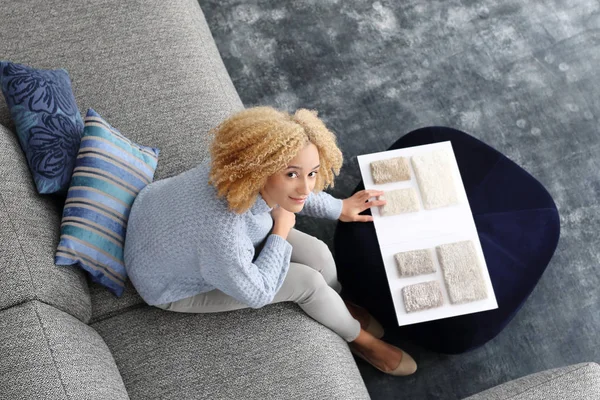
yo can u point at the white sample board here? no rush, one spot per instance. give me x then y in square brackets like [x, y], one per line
[426, 229]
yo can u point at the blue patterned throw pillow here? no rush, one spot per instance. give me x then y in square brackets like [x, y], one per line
[109, 172]
[47, 120]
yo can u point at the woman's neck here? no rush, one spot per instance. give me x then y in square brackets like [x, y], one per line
[266, 199]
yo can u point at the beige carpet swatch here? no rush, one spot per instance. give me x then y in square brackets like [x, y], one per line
[435, 178]
[391, 170]
[462, 272]
[399, 201]
[415, 262]
[422, 296]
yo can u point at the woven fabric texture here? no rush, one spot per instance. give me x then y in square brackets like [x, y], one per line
[275, 352]
[48, 354]
[29, 233]
[422, 296]
[391, 170]
[462, 272]
[435, 178]
[415, 262]
[399, 201]
[572, 382]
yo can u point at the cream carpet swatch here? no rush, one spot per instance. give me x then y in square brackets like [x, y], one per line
[434, 176]
[399, 201]
[422, 296]
[391, 170]
[415, 262]
[462, 272]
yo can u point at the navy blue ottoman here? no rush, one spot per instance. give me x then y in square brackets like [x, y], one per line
[518, 226]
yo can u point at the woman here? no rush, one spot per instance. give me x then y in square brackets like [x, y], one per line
[221, 236]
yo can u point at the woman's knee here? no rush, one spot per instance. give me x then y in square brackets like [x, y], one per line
[305, 282]
[310, 278]
[322, 257]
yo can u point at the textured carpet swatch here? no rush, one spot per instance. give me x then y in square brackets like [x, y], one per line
[415, 262]
[436, 181]
[391, 170]
[422, 296]
[399, 201]
[462, 272]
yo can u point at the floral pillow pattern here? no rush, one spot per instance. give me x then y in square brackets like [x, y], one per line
[47, 120]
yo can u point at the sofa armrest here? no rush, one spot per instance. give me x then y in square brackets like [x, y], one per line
[29, 234]
[49, 354]
[574, 382]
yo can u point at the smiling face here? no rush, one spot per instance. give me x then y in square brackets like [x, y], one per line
[290, 187]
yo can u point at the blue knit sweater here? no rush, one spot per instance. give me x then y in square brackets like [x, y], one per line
[183, 240]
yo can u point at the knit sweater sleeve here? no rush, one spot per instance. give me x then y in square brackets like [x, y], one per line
[322, 205]
[252, 283]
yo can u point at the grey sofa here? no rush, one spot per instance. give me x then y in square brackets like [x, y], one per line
[151, 68]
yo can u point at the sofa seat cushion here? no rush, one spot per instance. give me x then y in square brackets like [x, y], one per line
[48, 354]
[105, 304]
[275, 352]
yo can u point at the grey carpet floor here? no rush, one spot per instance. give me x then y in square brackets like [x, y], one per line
[523, 76]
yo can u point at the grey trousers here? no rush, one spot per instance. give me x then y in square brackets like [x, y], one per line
[311, 282]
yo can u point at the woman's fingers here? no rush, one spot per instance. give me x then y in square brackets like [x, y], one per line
[373, 192]
[367, 194]
[363, 218]
[373, 203]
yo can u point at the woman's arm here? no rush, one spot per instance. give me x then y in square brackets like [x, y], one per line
[232, 271]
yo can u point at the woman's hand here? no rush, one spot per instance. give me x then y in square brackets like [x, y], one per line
[283, 221]
[358, 203]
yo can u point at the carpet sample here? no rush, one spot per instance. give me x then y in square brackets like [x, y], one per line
[436, 181]
[391, 170]
[462, 272]
[399, 201]
[422, 296]
[415, 262]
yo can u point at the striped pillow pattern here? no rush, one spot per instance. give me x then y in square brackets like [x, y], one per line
[109, 172]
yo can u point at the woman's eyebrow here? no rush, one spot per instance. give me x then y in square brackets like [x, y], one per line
[295, 167]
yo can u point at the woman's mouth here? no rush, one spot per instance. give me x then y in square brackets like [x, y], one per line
[298, 200]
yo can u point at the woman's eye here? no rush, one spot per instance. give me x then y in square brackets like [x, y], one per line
[295, 174]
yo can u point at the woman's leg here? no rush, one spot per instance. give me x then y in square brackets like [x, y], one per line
[319, 300]
[302, 285]
[310, 251]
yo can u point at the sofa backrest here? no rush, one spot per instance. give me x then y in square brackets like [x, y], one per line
[150, 68]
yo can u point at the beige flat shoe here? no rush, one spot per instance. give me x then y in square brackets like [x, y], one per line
[407, 365]
[367, 321]
[374, 327]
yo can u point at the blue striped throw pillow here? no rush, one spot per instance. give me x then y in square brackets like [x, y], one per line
[109, 172]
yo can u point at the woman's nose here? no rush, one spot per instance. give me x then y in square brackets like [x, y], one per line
[304, 188]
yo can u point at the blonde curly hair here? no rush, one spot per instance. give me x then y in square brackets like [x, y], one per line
[258, 142]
